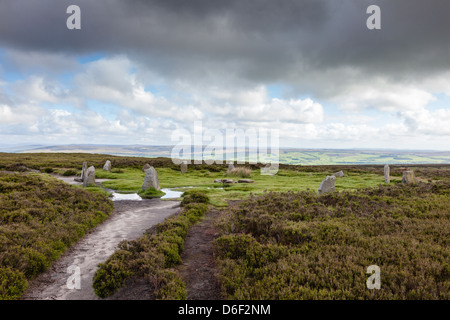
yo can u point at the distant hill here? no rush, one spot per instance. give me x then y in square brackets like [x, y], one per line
[286, 155]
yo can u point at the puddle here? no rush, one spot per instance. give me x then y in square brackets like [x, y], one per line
[122, 196]
[169, 194]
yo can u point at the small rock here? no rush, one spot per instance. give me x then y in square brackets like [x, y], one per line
[89, 177]
[245, 181]
[327, 185]
[408, 177]
[151, 179]
[387, 173]
[107, 166]
[183, 167]
[339, 174]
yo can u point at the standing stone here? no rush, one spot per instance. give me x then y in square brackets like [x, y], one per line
[339, 174]
[145, 167]
[151, 179]
[387, 174]
[230, 167]
[83, 171]
[409, 177]
[89, 177]
[107, 166]
[183, 167]
[327, 185]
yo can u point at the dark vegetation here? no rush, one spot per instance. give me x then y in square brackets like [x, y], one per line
[304, 246]
[153, 256]
[40, 218]
[150, 193]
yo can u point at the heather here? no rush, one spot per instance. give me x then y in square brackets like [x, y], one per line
[40, 217]
[298, 245]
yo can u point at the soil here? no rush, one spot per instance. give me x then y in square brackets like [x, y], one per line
[198, 269]
[129, 221]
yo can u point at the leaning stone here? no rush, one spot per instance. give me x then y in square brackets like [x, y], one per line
[245, 181]
[339, 174]
[387, 174]
[183, 167]
[327, 185]
[145, 167]
[151, 179]
[89, 177]
[83, 171]
[107, 166]
[408, 177]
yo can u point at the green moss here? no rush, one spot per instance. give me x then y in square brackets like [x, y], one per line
[150, 193]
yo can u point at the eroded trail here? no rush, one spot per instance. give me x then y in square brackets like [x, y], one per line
[199, 268]
[129, 221]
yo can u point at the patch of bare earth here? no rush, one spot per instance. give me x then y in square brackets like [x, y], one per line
[198, 269]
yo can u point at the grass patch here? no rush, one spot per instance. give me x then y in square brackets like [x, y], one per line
[150, 193]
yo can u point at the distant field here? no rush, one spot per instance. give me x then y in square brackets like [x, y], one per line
[286, 156]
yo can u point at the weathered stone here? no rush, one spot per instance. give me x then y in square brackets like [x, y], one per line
[83, 171]
[408, 177]
[107, 166]
[218, 181]
[327, 185]
[145, 167]
[89, 177]
[151, 179]
[183, 167]
[387, 174]
[245, 181]
[230, 167]
[339, 174]
[227, 181]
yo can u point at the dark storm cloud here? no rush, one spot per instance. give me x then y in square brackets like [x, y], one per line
[258, 41]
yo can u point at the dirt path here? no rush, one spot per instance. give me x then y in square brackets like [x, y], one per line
[198, 268]
[129, 221]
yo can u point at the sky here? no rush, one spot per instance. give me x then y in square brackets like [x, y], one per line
[138, 70]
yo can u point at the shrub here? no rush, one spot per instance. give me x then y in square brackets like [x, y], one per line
[48, 170]
[194, 196]
[12, 284]
[69, 173]
[242, 172]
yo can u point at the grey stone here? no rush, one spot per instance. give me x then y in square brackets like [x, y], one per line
[327, 185]
[107, 166]
[408, 177]
[245, 181]
[230, 167]
[387, 174]
[89, 177]
[145, 167]
[83, 171]
[151, 179]
[183, 167]
[339, 174]
[218, 181]
[227, 181]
